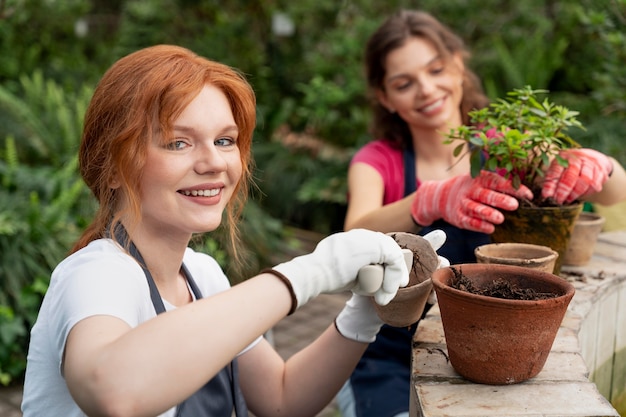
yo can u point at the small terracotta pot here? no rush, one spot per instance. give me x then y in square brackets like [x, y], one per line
[500, 341]
[408, 305]
[583, 239]
[527, 255]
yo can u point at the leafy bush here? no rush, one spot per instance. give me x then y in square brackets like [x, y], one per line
[44, 35]
[43, 203]
[37, 226]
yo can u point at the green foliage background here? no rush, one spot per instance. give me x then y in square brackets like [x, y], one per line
[312, 107]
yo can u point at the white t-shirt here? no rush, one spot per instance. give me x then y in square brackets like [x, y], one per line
[100, 279]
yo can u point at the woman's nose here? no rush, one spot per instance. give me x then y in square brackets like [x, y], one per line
[426, 85]
[209, 160]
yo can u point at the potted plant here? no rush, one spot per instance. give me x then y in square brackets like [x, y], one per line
[519, 136]
[499, 321]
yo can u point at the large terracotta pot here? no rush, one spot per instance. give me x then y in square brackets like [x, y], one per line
[546, 226]
[527, 255]
[408, 305]
[583, 239]
[500, 341]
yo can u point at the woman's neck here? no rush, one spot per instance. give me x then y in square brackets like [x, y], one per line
[162, 252]
[435, 160]
[429, 145]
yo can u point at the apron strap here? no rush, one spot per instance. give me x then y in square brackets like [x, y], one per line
[410, 180]
[241, 410]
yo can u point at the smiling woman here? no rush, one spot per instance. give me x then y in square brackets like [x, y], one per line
[135, 322]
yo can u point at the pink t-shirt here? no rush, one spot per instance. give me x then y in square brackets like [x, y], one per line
[386, 158]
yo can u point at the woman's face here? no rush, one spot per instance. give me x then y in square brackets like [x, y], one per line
[423, 87]
[187, 182]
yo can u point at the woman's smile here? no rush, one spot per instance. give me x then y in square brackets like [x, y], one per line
[433, 107]
[203, 196]
[201, 193]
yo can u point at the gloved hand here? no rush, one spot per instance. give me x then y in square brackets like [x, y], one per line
[335, 263]
[370, 277]
[586, 172]
[437, 238]
[466, 202]
[358, 320]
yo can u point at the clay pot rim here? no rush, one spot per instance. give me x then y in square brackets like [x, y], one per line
[407, 292]
[589, 218]
[571, 206]
[568, 288]
[506, 260]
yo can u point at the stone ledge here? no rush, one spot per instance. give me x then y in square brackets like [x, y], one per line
[527, 400]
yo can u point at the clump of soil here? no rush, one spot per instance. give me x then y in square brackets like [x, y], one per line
[539, 201]
[498, 288]
[425, 259]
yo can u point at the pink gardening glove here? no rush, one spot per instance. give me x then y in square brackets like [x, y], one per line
[586, 173]
[466, 202]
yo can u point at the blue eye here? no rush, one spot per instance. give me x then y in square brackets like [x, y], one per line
[225, 141]
[176, 145]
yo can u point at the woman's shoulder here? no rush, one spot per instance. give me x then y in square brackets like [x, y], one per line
[98, 253]
[378, 147]
[381, 154]
[101, 264]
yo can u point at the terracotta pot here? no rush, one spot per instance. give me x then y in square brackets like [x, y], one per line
[408, 305]
[546, 226]
[527, 255]
[500, 341]
[583, 239]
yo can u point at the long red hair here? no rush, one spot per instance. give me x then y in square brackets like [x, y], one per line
[139, 97]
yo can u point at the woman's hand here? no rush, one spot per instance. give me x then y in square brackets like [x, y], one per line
[586, 172]
[466, 202]
[334, 266]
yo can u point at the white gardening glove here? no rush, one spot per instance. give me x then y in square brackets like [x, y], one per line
[335, 263]
[370, 277]
[358, 320]
[437, 238]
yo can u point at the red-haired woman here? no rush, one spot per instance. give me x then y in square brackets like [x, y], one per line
[135, 323]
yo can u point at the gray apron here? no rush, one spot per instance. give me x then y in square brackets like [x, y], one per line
[219, 397]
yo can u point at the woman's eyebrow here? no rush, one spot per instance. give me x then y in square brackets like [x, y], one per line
[190, 130]
[184, 129]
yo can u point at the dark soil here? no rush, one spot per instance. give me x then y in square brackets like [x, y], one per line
[539, 201]
[499, 288]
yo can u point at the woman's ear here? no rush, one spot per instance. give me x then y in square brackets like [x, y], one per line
[384, 101]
